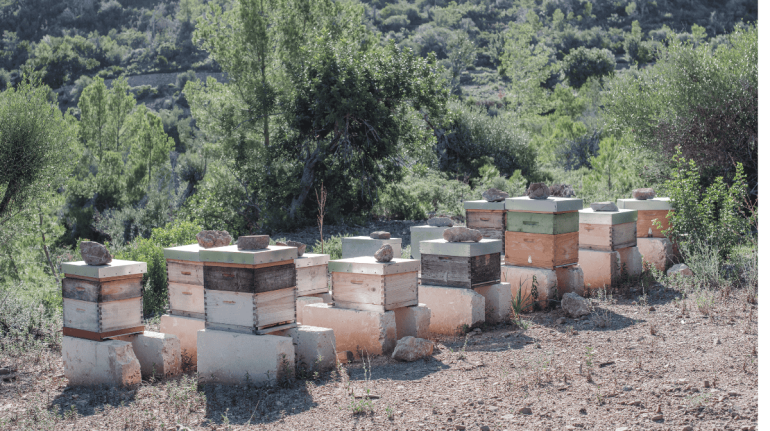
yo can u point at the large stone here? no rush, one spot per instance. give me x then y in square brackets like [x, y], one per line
[562, 191]
[451, 308]
[232, 358]
[679, 269]
[159, 355]
[658, 252]
[253, 242]
[604, 206]
[94, 253]
[600, 268]
[570, 279]
[524, 279]
[643, 194]
[440, 221]
[213, 238]
[301, 247]
[494, 195]
[462, 234]
[314, 347]
[380, 234]
[361, 332]
[384, 254]
[186, 330]
[302, 301]
[630, 261]
[410, 349]
[538, 191]
[412, 321]
[575, 305]
[91, 363]
[497, 302]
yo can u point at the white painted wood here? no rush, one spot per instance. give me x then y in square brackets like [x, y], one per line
[81, 314]
[126, 313]
[620, 216]
[400, 290]
[185, 273]
[276, 306]
[311, 259]
[484, 205]
[550, 205]
[369, 265]
[442, 247]
[231, 254]
[116, 268]
[186, 297]
[230, 308]
[312, 280]
[184, 252]
[656, 204]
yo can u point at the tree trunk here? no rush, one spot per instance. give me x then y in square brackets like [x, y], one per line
[45, 248]
[308, 175]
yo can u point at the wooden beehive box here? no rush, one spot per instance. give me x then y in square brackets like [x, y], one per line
[362, 283]
[486, 217]
[249, 291]
[102, 301]
[185, 280]
[542, 233]
[312, 270]
[650, 211]
[607, 230]
[460, 264]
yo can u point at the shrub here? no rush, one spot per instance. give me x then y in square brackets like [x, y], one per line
[582, 63]
[331, 246]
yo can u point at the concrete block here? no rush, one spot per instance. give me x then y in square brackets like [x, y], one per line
[523, 278]
[186, 330]
[657, 251]
[631, 261]
[302, 301]
[600, 268]
[451, 308]
[497, 302]
[89, 363]
[570, 279]
[414, 321]
[314, 347]
[370, 332]
[234, 359]
[424, 233]
[159, 354]
[356, 246]
[325, 297]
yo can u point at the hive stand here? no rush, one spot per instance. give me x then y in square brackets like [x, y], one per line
[357, 246]
[653, 244]
[358, 331]
[451, 309]
[91, 363]
[102, 301]
[249, 291]
[424, 233]
[460, 264]
[363, 283]
[487, 217]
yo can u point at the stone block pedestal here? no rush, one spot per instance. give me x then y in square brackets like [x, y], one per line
[570, 279]
[159, 354]
[90, 363]
[497, 302]
[452, 308]
[186, 330]
[358, 331]
[302, 301]
[600, 268]
[524, 278]
[657, 251]
[413, 321]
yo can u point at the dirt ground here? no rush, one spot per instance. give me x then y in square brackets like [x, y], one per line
[637, 362]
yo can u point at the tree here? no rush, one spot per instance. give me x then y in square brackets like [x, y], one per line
[582, 63]
[461, 53]
[120, 103]
[528, 64]
[94, 117]
[150, 147]
[35, 144]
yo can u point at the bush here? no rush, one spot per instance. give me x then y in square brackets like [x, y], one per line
[331, 246]
[422, 192]
[582, 63]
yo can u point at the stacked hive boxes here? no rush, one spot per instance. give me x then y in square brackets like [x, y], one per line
[541, 242]
[487, 218]
[356, 246]
[608, 246]
[312, 280]
[653, 244]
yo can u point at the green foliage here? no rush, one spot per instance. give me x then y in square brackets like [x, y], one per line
[581, 63]
[331, 246]
[420, 193]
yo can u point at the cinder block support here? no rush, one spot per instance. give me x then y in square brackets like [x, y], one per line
[186, 330]
[452, 308]
[570, 279]
[159, 354]
[413, 321]
[370, 332]
[235, 359]
[600, 268]
[302, 301]
[314, 347]
[497, 302]
[631, 261]
[524, 278]
[657, 251]
[90, 363]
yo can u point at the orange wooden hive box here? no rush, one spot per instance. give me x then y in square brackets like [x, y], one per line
[607, 230]
[650, 211]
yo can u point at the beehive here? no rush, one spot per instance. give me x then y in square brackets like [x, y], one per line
[486, 217]
[102, 301]
[542, 233]
[185, 280]
[362, 283]
[649, 211]
[249, 291]
[312, 272]
[460, 264]
[607, 230]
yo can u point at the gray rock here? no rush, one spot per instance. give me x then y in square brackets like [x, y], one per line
[440, 221]
[680, 269]
[380, 235]
[253, 242]
[94, 253]
[562, 191]
[411, 349]
[462, 234]
[384, 254]
[643, 194]
[213, 238]
[494, 195]
[538, 191]
[525, 411]
[574, 305]
[300, 246]
[604, 206]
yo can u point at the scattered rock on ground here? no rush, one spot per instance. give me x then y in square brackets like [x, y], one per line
[213, 238]
[643, 194]
[680, 269]
[538, 191]
[604, 206]
[440, 221]
[494, 195]
[562, 191]
[253, 242]
[384, 254]
[411, 349]
[380, 235]
[574, 305]
[525, 411]
[94, 253]
[462, 234]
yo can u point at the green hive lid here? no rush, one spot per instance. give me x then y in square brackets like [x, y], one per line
[550, 205]
[369, 265]
[590, 216]
[183, 252]
[231, 254]
[442, 247]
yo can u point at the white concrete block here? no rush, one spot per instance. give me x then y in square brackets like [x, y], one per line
[631, 261]
[413, 321]
[159, 354]
[89, 363]
[302, 301]
[235, 359]
[525, 278]
[325, 297]
[314, 347]
[356, 246]
[600, 268]
[424, 233]
[657, 251]
[186, 330]
[452, 308]
[570, 279]
[497, 302]
[370, 332]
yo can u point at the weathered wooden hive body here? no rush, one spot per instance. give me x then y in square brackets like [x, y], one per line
[363, 283]
[185, 281]
[607, 230]
[102, 301]
[650, 211]
[488, 218]
[312, 270]
[249, 291]
[460, 264]
[542, 233]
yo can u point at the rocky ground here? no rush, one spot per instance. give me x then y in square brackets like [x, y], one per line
[636, 362]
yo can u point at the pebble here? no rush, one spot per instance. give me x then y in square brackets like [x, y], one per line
[687, 428]
[525, 411]
[657, 418]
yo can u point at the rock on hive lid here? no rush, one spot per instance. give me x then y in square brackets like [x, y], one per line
[443, 247]
[550, 205]
[369, 265]
[590, 216]
[183, 252]
[116, 268]
[231, 254]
